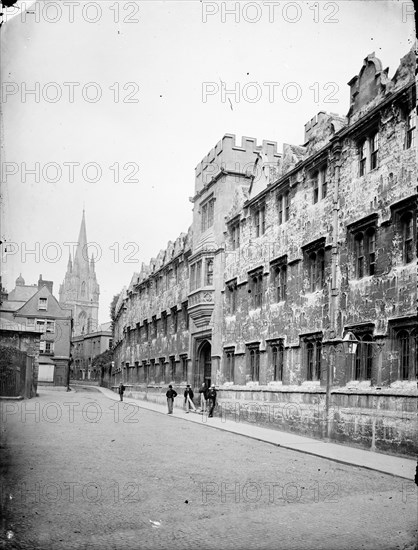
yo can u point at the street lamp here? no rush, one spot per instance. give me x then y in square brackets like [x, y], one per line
[350, 343]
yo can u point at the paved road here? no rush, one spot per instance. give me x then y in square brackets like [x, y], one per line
[82, 472]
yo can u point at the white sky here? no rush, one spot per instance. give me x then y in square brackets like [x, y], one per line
[168, 52]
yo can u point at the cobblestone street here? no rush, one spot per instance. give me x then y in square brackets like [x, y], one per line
[81, 471]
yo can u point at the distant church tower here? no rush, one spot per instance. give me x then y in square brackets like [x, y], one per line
[80, 291]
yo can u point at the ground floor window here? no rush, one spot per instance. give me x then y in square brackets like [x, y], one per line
[406, 350]
[277, 360]
[229, 358]
[364, 357]
[253, 356]
[313, 357]
[184, 367]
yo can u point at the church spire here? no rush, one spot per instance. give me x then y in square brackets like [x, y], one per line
[80, 291]
[81, 256]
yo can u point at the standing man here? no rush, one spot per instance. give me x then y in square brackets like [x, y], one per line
[121, 389]
[203, 397]
[171, 394]
[212, 399]
[188, 398]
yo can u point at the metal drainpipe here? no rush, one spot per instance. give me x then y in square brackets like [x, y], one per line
[334, 288]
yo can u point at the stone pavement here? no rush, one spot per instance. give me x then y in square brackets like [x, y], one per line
[388, 464]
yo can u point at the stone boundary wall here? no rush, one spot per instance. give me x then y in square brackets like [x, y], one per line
[385, 423]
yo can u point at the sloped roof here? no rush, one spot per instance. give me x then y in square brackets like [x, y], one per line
[22, 293]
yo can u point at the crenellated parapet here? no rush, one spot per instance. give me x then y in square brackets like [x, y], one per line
[228, 156]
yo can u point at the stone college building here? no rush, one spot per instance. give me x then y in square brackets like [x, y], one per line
[295, 288]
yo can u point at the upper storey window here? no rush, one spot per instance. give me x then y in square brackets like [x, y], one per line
[410, 129]
[283, 206]
[369, 153]
[260, 220]
[320, 186]
[207, 209]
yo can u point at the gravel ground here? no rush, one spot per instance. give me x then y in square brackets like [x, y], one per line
[83, 472]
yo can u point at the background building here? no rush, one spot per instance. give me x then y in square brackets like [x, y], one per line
[35, 307]
[80, 291]
[85, 348]
[294, 289]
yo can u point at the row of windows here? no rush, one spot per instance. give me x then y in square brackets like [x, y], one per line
[315, 268]
[161, 370]
[359, 367]
[315, 264]
[148, 330]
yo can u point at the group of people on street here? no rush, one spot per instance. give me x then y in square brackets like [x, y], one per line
[207, 399]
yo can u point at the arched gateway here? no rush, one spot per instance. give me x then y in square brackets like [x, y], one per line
[204, 356]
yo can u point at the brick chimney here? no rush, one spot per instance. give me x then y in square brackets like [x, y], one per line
[42, 283]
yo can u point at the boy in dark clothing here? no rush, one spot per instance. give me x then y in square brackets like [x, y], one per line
[188, 398]
[211, 399]
[171, 394]
[121, 389]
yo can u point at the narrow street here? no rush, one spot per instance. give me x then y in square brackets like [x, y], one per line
[80, 471]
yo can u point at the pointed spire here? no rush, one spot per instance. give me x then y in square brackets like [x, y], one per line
[81, 255]
[70, 264]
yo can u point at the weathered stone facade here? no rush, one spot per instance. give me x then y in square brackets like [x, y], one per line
[295, 287]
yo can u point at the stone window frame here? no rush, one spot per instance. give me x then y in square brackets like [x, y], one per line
[174, 319]
[164, 322]
[184, 367]
[184, 309]
[253, 361]
[146, 329]
[209, 263]
[232, 288]
[196, 275]
[207, 208]
[259, 219]
[229, 364]
[235, 230]
[363, 236]
[154, 326]
[320, 184]
[172, 368]
[368, 148]
[276, 358]
[312, 346]
[410, 128]
[403, 335]
[315, 264]
[283, 203]
[161, 369]
[256, 287]
[279, 277]
[152, 370]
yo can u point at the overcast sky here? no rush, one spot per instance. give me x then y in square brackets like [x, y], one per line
[144, 113]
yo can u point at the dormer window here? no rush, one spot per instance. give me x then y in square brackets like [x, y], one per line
[42, 304]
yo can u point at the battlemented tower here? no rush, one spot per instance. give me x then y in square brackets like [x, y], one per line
[80, 291]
